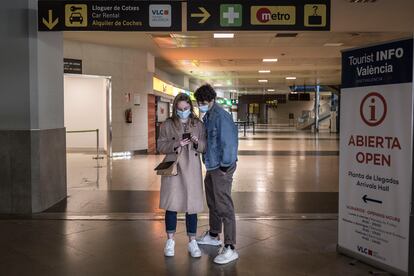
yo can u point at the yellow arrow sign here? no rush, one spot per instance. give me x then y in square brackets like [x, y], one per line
[204, 15]
[50, 23]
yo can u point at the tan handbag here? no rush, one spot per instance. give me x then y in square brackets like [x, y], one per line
[168, 168]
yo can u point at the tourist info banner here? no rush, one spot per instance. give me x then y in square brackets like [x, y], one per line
[375, 175]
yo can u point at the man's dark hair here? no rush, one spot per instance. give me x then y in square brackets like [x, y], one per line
[205, 93]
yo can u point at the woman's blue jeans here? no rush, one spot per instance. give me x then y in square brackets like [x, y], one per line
[190, 223]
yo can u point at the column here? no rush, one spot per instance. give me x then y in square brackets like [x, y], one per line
[32, 133]
[317, 96]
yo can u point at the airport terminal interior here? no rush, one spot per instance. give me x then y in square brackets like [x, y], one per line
[116, 88]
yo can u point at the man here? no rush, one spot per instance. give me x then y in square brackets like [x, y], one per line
[220, 161]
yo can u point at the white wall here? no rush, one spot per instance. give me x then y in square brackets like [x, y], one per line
[47, 102]
[85, 109]
[130, 70]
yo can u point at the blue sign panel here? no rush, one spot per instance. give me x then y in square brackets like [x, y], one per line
[384, 64]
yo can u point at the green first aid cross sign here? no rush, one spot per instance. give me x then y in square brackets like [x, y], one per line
[231, 15]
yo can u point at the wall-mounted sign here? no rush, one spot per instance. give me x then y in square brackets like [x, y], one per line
[109, 16]
[72, 66]
[249, 15]
[163, 87]
[376, 155]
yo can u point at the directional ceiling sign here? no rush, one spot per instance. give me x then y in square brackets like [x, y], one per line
[202, 14]
[109, 16]
[214, 15]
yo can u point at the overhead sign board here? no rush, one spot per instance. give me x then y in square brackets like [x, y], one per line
[376, 156]
[109, 16]
[273, 15]
[252, 15]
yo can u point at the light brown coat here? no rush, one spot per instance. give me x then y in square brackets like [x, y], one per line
[183, 192]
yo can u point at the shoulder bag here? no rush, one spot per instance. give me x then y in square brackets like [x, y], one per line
[168, 168]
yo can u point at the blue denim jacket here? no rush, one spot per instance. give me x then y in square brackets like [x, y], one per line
[222, 139]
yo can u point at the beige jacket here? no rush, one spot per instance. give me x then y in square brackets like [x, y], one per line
[184, 192]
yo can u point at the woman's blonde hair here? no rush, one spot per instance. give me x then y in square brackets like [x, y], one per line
[182, 97]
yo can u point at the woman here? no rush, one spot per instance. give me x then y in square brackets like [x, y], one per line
[182, 136]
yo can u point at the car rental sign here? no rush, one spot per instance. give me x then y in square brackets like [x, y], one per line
[376, 153]
[109, 16]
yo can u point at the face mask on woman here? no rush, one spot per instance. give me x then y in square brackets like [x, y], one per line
[184, 114]
[203, 108]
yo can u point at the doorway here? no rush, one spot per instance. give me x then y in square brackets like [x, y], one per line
[87, 118]
[87, 109]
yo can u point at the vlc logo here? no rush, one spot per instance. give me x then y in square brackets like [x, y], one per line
[160, 12]
[373, 109]
[364, 250]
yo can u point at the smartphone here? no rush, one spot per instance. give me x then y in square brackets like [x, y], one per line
[187, 135]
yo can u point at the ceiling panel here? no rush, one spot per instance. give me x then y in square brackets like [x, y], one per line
[235, 62]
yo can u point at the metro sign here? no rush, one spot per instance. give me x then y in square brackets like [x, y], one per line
[273, 15]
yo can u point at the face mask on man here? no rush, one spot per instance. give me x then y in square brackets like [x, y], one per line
[203, 108]
[184, 114]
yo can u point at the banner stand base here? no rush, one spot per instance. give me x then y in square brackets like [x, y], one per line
[369, 261]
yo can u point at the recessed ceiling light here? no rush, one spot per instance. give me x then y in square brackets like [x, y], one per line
[333, 44]
[232, 90]
[264, 71]
[270, 90]
[291, 78]
[270, 60]
[223, 35]
[218, 85]
[262, 80]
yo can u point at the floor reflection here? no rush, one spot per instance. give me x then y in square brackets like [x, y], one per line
[275, 172]
[264, 165]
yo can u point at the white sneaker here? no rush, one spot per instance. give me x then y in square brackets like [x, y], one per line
[169, 248]
[193, 249]
[208, 240]
[226, 255]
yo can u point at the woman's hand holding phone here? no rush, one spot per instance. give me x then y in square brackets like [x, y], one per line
[185, 142]
[194, 139]
[186, 139]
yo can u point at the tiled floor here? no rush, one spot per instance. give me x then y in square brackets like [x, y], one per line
[257, 171]
[88, 203]
[117, 248]
[111, 224]
[280, 159]
[278, 172]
